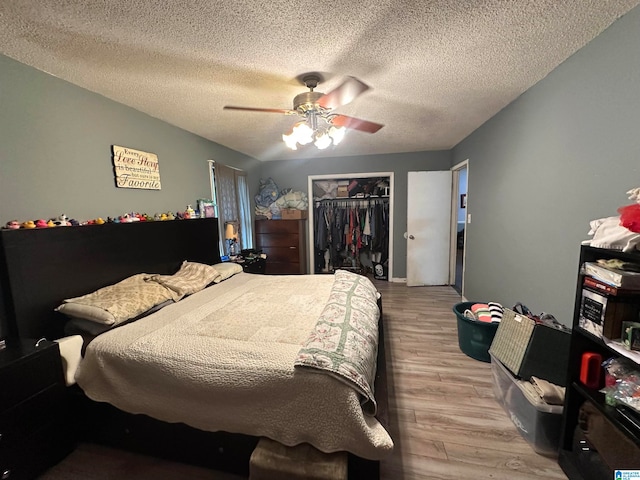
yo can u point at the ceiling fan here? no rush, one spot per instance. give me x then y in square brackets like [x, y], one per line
[320, 125]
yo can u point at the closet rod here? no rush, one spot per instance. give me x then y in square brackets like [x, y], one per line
[346, 201]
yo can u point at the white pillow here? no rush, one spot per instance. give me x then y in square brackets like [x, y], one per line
[226, 270]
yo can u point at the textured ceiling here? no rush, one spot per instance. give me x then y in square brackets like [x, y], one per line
[438, 69]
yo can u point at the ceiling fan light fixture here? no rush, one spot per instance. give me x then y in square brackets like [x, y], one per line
[323, 140]
[290, 141]
[303, 133]
[320, 125]
[337, 134]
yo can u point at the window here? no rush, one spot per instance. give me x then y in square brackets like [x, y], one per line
[230, 195]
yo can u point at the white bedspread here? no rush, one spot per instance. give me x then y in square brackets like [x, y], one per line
[223, 359]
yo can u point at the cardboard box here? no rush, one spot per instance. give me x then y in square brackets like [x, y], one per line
[343, 191]
[293, 214]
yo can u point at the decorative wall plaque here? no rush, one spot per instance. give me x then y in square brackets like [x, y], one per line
[135, 169]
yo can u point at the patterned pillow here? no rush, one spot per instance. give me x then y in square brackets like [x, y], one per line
[116, 303]
[226, 270]
[191, 278]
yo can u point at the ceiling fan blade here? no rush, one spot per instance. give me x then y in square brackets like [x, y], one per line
[345, 93]
[355, 123]
[268, 110]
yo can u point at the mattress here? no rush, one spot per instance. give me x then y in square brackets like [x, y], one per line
[223, 360]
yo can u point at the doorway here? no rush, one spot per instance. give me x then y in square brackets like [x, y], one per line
[459, 218]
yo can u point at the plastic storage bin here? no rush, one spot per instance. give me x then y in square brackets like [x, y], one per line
[539, 423]
[474, 338]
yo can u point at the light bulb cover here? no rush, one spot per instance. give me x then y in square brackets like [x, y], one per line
[322, 141]
[337, 134]
[323, 136]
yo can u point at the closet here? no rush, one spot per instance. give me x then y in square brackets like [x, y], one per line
[351, 225]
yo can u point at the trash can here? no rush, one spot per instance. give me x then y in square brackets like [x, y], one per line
[474, 337]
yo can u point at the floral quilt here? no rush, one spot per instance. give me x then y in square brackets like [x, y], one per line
[344, 341]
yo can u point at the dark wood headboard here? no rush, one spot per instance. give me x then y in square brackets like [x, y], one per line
[41, 267]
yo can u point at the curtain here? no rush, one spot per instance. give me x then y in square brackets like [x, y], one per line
[244, 207]
[233, 202]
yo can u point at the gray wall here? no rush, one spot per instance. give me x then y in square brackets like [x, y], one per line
[562, 154]
[55, 152]
[294, 174]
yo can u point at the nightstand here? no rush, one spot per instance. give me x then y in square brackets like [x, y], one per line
[251, 264]
[254, 265]
[34, 429]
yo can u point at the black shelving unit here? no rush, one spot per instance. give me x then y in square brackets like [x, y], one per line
[576, 392]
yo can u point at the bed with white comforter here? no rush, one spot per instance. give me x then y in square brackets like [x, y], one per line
[223, 360]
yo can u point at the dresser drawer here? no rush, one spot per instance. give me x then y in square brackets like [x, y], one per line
[283, 268]
[19, 422]
[37, 452]
[278, 226]
[29, 375]
[282, 254]
[277, 240]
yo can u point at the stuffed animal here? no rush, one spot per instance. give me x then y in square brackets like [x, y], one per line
[62, 221]
[12, 225]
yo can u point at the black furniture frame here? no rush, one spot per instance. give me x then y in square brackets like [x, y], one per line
[39, 268]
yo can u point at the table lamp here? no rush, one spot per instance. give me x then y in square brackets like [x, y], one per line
[230, 235]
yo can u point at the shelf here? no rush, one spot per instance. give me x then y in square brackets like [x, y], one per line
[625, 420]
[619, 349]
[569, 464]
[615, 348]
[621, 421]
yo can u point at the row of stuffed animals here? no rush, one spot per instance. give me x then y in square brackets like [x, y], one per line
[63, 221]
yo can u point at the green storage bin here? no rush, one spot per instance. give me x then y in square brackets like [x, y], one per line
[474, 338]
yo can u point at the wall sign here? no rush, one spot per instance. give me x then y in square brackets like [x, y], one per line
[135, 169]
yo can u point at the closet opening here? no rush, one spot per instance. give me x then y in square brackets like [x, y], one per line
[350, 224]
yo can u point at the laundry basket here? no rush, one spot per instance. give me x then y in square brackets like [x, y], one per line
[474, 337]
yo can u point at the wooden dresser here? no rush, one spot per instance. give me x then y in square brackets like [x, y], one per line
[285, 243]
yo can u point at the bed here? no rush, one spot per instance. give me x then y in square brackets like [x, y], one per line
[205, 336]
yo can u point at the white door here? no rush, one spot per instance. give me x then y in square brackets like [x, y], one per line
[428, 228]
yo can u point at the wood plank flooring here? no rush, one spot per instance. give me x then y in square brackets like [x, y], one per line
[445, 421]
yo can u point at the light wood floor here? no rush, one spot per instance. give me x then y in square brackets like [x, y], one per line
[445, 421]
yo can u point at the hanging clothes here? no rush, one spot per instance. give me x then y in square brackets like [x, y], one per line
[346, 227]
